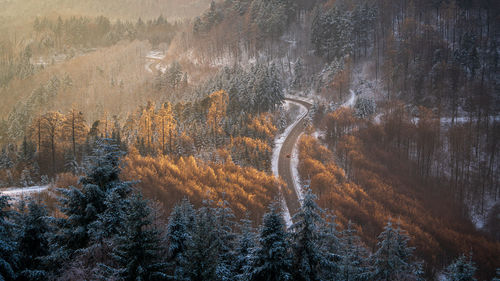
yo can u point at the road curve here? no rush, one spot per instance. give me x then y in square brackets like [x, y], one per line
[284, 160]
[151, 65]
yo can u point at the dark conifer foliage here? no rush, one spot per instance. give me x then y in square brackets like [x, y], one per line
[32, 235]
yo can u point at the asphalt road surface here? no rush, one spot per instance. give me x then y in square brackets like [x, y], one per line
[284, 161]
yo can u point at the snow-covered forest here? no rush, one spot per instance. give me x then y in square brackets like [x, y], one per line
[250, 140]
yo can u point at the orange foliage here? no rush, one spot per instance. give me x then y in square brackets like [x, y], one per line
[379, 191]
[262, 126]
[170, 180]
[251, 152]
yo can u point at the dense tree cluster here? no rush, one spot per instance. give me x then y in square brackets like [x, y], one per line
[270, 17]
[237, 121]
[109, 231]
[384, 168]
[169, 180]
[84, 32]
[256, 90]
[13, 64]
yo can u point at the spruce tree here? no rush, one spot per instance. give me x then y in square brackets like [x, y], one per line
[308, 256]
[225, 239]
[462, 269]
[394, 258]
[203, 254]
[179, 239]
[272, 258]
[33, 229]
[84, 207]
[8, 254]
[137, 251]
[245, 250]
[353, 263]
[298, 71]
[330, 246]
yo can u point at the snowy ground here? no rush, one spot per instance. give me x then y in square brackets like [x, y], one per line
[156, 55]
[22, 191]
[351, 101]
[477, 217]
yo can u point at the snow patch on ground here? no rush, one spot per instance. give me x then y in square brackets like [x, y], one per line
[155, 55]
[319, 134]
[295, 171]
[286, 213]
[147, 66]
[441, 277]
[21, 191]
[351, 101]
[478, 218]
[161, 67]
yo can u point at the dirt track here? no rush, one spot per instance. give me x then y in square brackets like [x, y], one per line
[284, 162]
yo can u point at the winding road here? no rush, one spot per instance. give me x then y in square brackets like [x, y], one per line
[284, 165]
[285, 161]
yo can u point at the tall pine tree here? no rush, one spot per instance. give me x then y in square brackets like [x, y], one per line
[308, 256]
[394, 258]
[272, 258]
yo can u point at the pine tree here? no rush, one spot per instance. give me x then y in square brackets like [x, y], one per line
[179, 238]
[203, 258]
[225, 241]
[462, 269]
[353, 263]
[330, 247]
[393, 259]
[364, 108]
[8, 255]
[84, 206]
[332, 33]
[137, 251]
[245, 250]
[272, 258]
[298, 70]
[307, 252]
[33, 229]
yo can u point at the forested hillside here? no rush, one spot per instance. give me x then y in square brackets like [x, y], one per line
[250, 140]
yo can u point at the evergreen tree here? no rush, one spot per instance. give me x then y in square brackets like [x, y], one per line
[462, 269]
[298, 70]
[393, 259]
[353, 263]
[245, 250]
[225, 241]
[272, 258]
[33, 229]
[308, 256]
[202, 257]
[330, 248]
[179, 238]
[9, 257]
[83, 207]
[137, 251]
[332, 33]
[364, 108]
